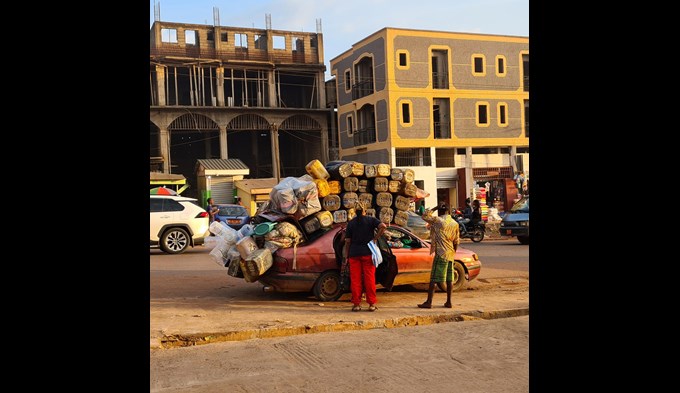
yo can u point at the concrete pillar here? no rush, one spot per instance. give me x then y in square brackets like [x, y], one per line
[223, 142]
[513, 158]
[220, 86]
[468, 173]
[324, 144]
[321, 89]
[160, 88]
[164, 143]
[271, 82]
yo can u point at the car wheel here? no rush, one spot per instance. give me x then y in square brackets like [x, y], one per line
[459, 281]
[523, 239]
[175, 241]
[327, 287]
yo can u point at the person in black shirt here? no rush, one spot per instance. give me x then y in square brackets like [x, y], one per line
[361, 230]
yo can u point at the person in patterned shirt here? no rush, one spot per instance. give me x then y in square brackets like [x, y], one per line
[444, 238]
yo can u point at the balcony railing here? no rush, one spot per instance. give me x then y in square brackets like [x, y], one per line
[440, 80]
[364, 136]
[237, 53]
[362, 89]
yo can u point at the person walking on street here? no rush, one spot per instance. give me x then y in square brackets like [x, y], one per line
[361, 230]
[445, 238]
[212, 209]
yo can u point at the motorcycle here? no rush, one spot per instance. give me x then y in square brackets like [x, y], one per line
[468, 229]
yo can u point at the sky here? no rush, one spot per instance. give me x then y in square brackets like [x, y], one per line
[346, 22]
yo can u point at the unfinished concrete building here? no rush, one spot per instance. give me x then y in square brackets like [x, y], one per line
[228, 92]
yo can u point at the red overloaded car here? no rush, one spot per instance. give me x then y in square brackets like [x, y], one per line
[318, 262]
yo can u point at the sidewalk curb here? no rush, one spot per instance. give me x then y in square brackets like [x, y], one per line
[174, 341]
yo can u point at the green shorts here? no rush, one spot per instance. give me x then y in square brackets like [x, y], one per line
[442, 270]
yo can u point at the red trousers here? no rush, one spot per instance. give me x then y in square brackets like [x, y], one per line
[362, 266]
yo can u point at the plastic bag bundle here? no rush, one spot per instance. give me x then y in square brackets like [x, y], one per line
[397, 174]
[224, 231]
[334, 187]
[370, 171]
[402, 203]
[365, 185]
[316, 169]
[401, 218]
[322, 187]
[331, 203]
[349, 199]
[257, 263]
[394, 186]
[380, 184]
[384, 170]
[339, 170]
[366, 199]
[351, 183]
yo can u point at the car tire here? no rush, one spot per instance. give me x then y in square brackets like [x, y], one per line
[174, 241]
[459, 281]
[523, 239]
[327, 287]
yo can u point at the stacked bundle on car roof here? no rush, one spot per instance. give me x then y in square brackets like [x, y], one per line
[325, 196]
[386, 192]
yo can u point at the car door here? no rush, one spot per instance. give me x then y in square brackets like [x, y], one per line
[414, 262]
[157, 217]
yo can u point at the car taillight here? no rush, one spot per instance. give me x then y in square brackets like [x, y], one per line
[201, 214]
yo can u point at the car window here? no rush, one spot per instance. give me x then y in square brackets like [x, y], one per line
[172, 206]
[156, 205]
[232, 211]
[522, 206]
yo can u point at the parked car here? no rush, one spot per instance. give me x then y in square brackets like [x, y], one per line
[318, 261]
[516, 221]
[233, 215]
[176, 223]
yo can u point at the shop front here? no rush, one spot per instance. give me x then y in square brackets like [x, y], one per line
[495, 185]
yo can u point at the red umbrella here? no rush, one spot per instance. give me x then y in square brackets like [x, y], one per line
[162, 191]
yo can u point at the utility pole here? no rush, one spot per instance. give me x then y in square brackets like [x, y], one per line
[274, 128]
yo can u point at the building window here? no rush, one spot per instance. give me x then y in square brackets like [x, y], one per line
[313, 42]
[240, 40]
[363, 78]
[445, 158]
[403, 58]
[348, 80]
[190, 37]
[478, 65]
[440, 69]
[350, 126]
[279, 42]
[405, 113]
[211, 36]
[500, 66]
[413, 157]
[482, 114]
[261, 41]
[502, 114]
[224, 36]
[169, 35]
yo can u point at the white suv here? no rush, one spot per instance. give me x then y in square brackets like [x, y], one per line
[176, 223]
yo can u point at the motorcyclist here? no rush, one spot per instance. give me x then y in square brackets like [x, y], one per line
[476, 215]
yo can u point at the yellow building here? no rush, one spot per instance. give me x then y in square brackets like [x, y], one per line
[454, 107]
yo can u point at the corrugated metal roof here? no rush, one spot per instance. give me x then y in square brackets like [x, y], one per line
[223, 166]
[223, 163]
